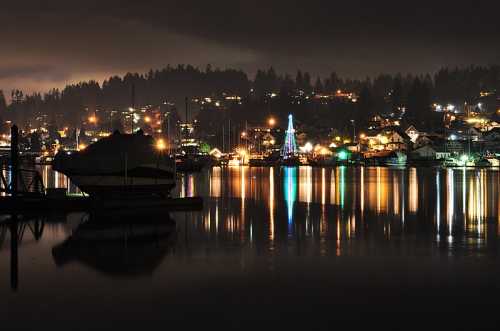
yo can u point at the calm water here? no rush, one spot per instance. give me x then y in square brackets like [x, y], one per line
[306, 248]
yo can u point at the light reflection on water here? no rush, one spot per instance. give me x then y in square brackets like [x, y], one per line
[340, 211]
[457, 208]
[452, 206]
[411, 240]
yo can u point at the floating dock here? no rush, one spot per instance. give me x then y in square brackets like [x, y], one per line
[25, 204]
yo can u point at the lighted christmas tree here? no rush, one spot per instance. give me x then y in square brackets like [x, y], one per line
[289, 148]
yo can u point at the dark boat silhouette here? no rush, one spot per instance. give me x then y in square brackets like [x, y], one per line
[120, 164]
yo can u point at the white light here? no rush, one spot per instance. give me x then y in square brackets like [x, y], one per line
[307, 148]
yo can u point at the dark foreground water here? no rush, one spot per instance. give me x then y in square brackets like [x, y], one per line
[306, 248]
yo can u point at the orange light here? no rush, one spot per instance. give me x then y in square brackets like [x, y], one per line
[92, 119]
[161, 145]
[271, 121]
[147, 119]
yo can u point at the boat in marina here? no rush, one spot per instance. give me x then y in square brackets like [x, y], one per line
[121, 164]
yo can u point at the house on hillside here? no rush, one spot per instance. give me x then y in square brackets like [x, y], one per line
[397, 138]
[389, 138]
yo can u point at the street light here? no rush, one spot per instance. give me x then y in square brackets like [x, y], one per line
[271, 121]
[161, 145]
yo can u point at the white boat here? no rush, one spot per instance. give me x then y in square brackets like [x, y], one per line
[121, 164]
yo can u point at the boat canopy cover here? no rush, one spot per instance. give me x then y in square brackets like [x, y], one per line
[109, 155]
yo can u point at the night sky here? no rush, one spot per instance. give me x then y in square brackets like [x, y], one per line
[49, 43]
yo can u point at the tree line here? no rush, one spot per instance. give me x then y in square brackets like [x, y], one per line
[385, 93]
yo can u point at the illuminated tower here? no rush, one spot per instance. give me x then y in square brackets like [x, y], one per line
[289, 148]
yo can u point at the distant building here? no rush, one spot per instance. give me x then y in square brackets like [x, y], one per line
[389, 138]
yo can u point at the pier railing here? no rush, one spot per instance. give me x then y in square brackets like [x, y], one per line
[29, 182]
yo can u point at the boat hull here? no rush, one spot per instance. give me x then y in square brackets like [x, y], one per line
[101, 185]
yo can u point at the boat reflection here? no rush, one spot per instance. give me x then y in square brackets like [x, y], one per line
[119, 247]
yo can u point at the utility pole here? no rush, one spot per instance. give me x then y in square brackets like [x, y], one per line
[223, 140]
[229, 135]
[353, 122]
[187, 119]
[132, 104]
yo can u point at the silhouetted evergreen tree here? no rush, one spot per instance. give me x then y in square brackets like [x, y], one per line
[418, 110]
[365, 107]
[306, 85]
[3, 104]
[318, 86]
[397, 94]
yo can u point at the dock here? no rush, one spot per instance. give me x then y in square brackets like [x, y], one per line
[47, 204]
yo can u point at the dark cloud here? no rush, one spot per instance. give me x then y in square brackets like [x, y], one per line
[357, 38]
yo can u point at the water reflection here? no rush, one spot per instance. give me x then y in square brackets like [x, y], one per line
[459, 205]
[289, 235]
[290, 189]
[250, 212]
[54, 179]
[120, 248]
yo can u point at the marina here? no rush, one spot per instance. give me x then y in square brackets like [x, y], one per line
[259, 165]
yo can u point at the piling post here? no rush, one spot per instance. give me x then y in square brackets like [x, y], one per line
[14, 159]
[14, 257]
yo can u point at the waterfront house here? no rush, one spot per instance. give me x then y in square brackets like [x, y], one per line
[432, 152]
[391, 138]
[424, 152]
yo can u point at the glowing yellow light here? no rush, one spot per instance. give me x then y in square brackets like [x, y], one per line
[81, 147]
[337, 138]
[216, 153]
[384, 140]
[476, 120]
[271, 121]
[161, 145]
[362, 136]
[325, 151]
[147, 119]
[92, 119]
[243, 134]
